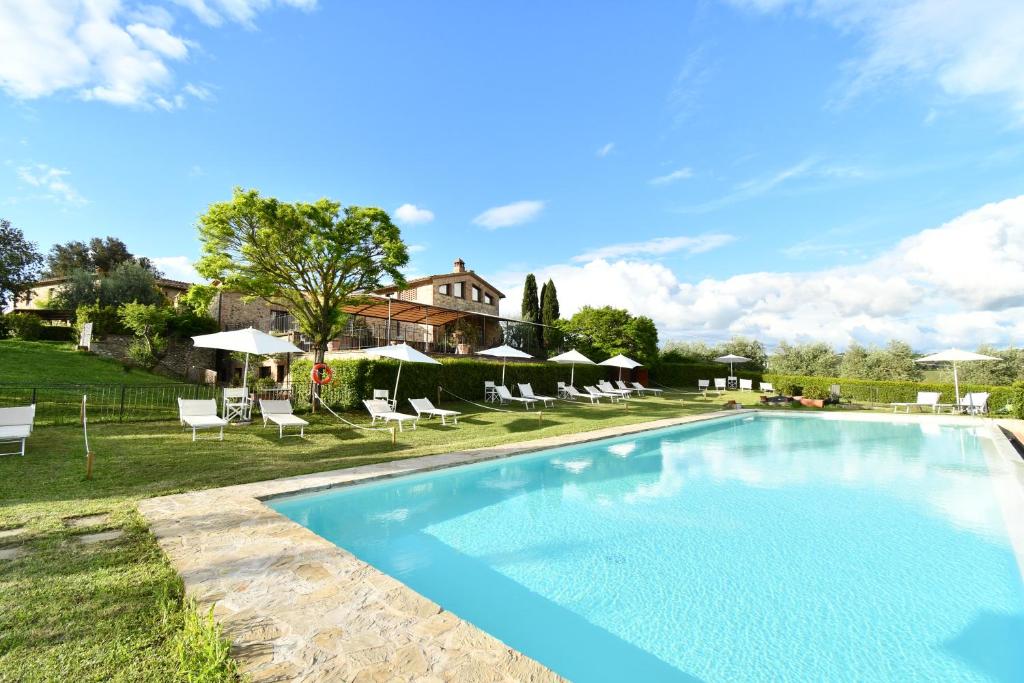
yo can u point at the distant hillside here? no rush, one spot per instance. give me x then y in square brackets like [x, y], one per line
[24, 362]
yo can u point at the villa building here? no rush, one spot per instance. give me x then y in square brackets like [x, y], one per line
[37, 299]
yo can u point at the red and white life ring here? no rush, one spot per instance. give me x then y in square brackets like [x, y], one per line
[321, 374]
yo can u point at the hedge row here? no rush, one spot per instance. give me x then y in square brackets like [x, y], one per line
[354, 380]
[685, 375]
[1002, 399]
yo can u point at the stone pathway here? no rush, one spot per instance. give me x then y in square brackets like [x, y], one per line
[99, 537]
[13, 552]
[298, 608]
[12, 533]
[87, 520]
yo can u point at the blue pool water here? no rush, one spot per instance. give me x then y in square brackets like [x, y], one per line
[778, 548]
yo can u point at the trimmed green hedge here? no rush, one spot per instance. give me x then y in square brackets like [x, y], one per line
[1002, 399]
[685, 375]
[355, 380]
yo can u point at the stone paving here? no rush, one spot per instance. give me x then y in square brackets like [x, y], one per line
[298, 608]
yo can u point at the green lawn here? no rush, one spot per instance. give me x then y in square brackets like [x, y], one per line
[113, 610]
[25, 362]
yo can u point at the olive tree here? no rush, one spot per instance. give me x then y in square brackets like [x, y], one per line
[317, 258]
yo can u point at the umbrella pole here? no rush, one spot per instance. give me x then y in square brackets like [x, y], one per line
[956, 385]
[398, 376]
[572, 375]
[245, 371]
[503, 362]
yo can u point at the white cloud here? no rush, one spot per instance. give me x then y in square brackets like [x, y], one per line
[417, 248]
[510, 214]
[52, 182]
[214, 12]
[102, 49]
[679, 174]
[605, 150]
[412, 214]
[958, 284]
[177, 268]
[658, 246]
[756, 187]
[967, 47]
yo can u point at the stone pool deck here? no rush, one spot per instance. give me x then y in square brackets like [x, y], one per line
[298, 608]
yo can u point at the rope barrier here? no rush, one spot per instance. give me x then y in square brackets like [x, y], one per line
[474, 403]
[351, 424]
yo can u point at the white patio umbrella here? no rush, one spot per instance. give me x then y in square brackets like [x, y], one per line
[403, 353]
[730, 359]
[249, 340]
[955, 356]
[621, 362]
[504, 352]
[572, 357]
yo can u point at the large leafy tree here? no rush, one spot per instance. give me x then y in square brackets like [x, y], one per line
[895, 361]
[100, 255]
[317, 257]
[748, 348]
[549, 313]
[816, 358]
[20, 261]
[604, 332]
[530, 310]
[129, 282]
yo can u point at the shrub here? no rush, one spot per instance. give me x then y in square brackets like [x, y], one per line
[685, 375]
[105, 319]
[148, 323]
[23, 326]
[355, 380]
[186, 323]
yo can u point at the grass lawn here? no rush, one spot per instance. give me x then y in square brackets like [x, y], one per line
[26, 362]
[112, 610]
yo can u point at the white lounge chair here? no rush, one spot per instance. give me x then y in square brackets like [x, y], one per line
[380, 409]
[928, 399]
[720, 385]
[573, 393]
[973, 403]
[526, 391]
[423, 406]
[280, 413]
[607, 388]
[505, 396]
[619, 384]
[643, 390]
[703, 385]
[767, 388]
[563, 391]
[200, 414]
[594, 391]
[236, 404]
[16, 426]
[385, 395]
[490, 393]
[746, 385]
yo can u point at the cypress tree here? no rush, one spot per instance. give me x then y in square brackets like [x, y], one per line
[549, 314]
[531, 304]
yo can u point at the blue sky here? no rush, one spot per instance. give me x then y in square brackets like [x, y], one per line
[711, 164]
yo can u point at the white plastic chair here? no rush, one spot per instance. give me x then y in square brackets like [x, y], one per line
[703, 385]
[720, 384]
[746, 385]
[236, 404]
[384, 395]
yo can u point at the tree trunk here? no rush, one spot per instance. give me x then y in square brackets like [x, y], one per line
[318, 357]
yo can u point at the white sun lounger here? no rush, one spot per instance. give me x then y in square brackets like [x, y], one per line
[385, 395]
[573, 393]
[720, 384]
[929, 399]
[505, 396]
[607, 388]
[767, 388]
[746, 385]
[280, 413]
[974, 403]
[526, 391]
[16, 426]
[593, 391]
[380, 409]
[200, 414]
[642, 389]
[423, 406]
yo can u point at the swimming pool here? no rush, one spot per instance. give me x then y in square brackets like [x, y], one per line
[743, 549]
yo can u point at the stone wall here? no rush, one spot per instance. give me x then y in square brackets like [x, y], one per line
[232, 312]
[182, 360]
